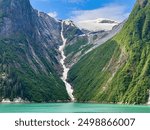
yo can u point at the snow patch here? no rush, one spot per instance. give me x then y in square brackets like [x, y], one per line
[97, 25]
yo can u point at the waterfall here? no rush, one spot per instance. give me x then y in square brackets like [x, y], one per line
[65, 69]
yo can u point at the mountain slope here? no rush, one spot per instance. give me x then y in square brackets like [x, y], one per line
[119, 70]
[80, 42]
[29, 57]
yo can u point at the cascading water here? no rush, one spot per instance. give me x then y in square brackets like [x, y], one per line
[62, 61]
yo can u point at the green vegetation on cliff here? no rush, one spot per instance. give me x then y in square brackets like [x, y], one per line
[119, 70]
[21, 76]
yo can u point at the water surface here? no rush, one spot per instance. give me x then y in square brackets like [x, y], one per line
[73, 108]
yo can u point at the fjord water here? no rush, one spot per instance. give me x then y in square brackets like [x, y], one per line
[73, 108]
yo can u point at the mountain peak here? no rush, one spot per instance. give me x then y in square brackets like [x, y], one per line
[69, 22]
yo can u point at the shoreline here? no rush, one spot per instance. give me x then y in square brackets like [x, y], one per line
[21, 101]
[28, 102]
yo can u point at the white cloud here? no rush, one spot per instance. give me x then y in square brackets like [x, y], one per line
[53, 14]
[112, 11]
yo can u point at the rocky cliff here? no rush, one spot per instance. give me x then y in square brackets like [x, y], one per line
[29, 57]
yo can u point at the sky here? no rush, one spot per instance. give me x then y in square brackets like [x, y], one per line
[79, 10]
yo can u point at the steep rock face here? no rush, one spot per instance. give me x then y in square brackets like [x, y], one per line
[71, 30]
[29, 57]
[13, 11]
[75, 40]
[119, 70]
[18, 17]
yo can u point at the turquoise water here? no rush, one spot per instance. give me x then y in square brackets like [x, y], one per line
[73, 108]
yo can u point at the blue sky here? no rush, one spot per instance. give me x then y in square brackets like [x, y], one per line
[85, 9]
